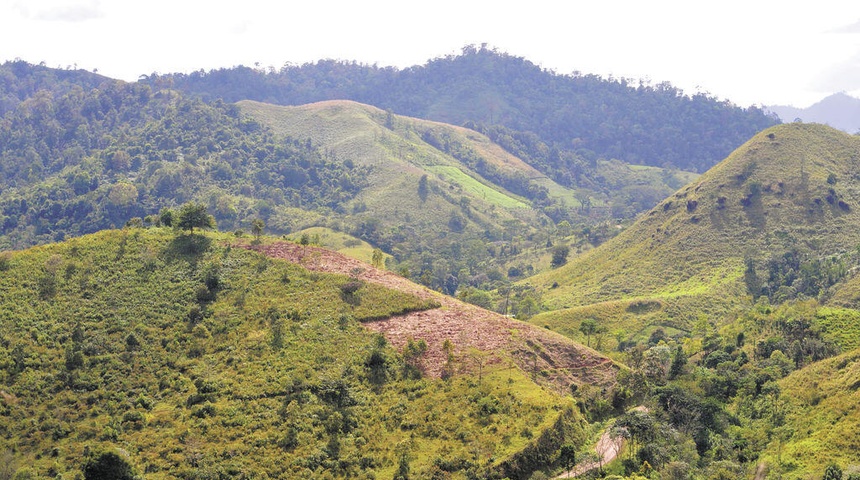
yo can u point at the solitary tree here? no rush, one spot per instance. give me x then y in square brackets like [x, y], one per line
[377, 259]
[588, 327]
[108, 466]
[679, 360]
[559, 255]
[257, 226]
[166, 217]
[423, 189]
[193, 215]
[832, 472]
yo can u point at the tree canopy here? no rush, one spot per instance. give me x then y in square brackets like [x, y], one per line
[194, 215]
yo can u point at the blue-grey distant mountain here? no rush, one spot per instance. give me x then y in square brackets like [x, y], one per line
[838, 110]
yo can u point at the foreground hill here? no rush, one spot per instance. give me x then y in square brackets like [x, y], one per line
[597, 117]
[202, 359]
[777, 218]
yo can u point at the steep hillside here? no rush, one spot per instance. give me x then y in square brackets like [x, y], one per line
[605, 118]
[547, 356]
[180, 355]
[777, 218]
[431, 187]
[821, 410]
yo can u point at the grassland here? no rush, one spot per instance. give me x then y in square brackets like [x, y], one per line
[199, 359]
[792, 186]
[457, 176]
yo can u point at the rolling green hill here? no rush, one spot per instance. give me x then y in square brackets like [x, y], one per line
[778, 219]
[576, 113]
[464, 201]
[82, 153]
[184, 356]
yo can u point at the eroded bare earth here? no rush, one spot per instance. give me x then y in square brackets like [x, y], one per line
[549, 357]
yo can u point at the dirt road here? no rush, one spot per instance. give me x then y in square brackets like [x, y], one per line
[607, 450]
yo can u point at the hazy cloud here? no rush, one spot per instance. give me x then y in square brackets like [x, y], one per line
[853, 28]
[841, 77]
[61, 11]
[240, 28]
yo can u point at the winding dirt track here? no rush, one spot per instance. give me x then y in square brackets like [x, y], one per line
[551, 358]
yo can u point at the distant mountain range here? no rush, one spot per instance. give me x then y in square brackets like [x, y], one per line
[839, 110]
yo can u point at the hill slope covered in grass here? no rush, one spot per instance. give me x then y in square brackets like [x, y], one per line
[446, 202]
[821, 410]
[182, 356]
[590, 116]
[778, 219]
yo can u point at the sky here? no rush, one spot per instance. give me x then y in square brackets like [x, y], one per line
[758, 52]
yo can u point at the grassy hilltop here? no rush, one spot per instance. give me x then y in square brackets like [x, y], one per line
[777, 218]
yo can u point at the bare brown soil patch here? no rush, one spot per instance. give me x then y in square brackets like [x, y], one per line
[549, 357]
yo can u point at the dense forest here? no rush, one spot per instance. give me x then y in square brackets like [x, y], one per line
[595, 117]
[77, 160]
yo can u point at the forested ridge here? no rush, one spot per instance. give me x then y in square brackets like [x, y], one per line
[595, 117]
[76, 160]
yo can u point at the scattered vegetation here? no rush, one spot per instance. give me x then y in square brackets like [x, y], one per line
[201, 359]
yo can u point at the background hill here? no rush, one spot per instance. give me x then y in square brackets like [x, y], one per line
[445, 203]
[588, 115]
[777, 219]
[20, 80]
[838, 110]
[199, 358]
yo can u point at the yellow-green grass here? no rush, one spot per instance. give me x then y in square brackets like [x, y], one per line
[493, 196]
[397, 157]
[269, 378]
[635, 319]
[694, 243]
[340, 242]
[358, 132]
[840, 325]
[822, 419]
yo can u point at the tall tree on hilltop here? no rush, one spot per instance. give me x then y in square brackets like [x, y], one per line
[194, 215]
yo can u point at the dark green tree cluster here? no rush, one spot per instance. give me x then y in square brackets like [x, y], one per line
[715, 400]
[797, 274]
[79, 158]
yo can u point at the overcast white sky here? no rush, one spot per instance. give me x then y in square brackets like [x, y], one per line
[749, 52]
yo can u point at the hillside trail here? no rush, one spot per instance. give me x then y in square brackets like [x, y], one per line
[466, 326]
[607, 449]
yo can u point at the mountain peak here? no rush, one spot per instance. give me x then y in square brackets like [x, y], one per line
[791, 187]
[838, 110]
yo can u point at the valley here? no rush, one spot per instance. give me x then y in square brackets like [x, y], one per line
[340, 271]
